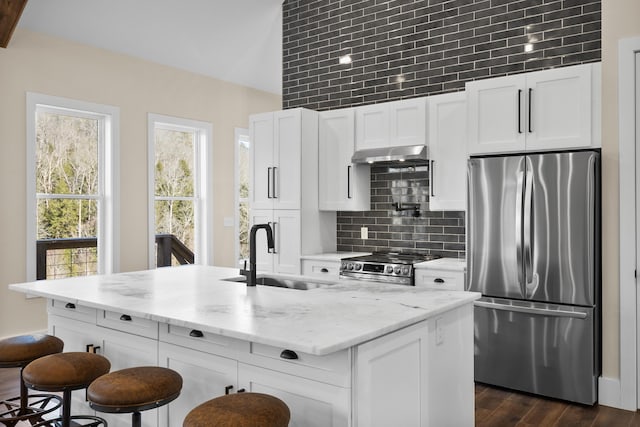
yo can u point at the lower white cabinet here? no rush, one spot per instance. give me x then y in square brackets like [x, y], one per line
[285, 257]
[312, 403]
[204, 376]
[323, 269]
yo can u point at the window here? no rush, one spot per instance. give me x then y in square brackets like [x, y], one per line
[242, 195]
[71, 187]
[180, 226]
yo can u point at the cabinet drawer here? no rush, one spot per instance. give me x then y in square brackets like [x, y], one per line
[327, 269]
[332, 368]
[202, 340]
[127, 323]
[72, 311]
[440, 279]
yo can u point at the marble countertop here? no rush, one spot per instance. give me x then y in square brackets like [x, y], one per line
[319, 321]
[452, 264]
[333, 256]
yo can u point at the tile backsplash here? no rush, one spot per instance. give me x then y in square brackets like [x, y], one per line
[415, 229]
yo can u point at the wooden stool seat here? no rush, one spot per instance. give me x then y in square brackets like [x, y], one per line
[240, 410]
[18, 352]
[134, 390]
[21, 350]
[65, 372]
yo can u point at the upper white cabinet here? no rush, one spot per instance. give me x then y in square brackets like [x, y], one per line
[447, 151]
[278, 140]
[543, 110]
[389, 124]
[343, 186]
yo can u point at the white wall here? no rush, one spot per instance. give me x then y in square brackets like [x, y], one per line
[37, 63]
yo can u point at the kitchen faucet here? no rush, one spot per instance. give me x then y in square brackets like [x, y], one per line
[251, 276]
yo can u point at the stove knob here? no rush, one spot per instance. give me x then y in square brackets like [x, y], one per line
[405, 271]
[350, 266]
[358, 267]
[344, 266]
[396, 270]
[389, 269]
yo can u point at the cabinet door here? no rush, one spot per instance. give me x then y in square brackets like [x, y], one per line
[128, 351]
[312, 403]
[261, 134]
[407, 122]
[76, 336]
[264, 258]
[559, 108]
[372, 126]
[287, 151]
[496, 115]
[447, 152]
[286, 226]
[343, 186]
[204, 377]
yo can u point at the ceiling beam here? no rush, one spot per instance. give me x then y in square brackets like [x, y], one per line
[10, 11]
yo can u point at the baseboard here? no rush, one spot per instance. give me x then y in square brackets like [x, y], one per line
[609, 392]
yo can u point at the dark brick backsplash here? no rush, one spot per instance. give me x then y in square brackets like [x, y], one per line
[409, 48]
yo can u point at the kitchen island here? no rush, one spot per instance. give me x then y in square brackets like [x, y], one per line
[342, 353]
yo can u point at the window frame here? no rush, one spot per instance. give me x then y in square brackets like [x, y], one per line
[108, 231]
[238, 133]
[203, 188]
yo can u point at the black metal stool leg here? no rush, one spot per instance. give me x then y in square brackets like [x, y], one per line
[136, 419]
[66, 408]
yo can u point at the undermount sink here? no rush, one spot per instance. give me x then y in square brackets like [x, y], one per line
[280, 282]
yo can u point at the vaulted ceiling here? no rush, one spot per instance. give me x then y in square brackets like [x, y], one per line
[234, 40]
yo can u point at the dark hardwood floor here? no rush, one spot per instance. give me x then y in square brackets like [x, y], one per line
[494, 408]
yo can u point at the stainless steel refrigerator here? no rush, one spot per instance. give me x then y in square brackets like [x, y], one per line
[534, 253]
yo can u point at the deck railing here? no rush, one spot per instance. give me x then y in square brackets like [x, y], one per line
[77, 256]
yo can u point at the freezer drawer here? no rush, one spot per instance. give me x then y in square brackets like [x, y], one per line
[539, 348]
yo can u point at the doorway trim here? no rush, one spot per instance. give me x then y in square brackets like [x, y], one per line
[629, 200]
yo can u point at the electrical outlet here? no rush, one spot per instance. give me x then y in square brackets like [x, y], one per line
[439, 331]
[364, 233]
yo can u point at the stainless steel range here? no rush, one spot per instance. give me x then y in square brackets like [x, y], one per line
[385, 267]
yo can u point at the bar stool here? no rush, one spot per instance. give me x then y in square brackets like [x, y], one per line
[18, 352]
[240, 410]
[134, 390]
[65, 372]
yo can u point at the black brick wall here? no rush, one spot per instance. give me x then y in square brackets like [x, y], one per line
[409, 48]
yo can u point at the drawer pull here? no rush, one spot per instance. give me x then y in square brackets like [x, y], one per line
[241, 390]
[92, 348]
[324, 270]
[289, 355]
[227, 389]
[196, 333]
[70, 306]
[439, 280]
[125, 317]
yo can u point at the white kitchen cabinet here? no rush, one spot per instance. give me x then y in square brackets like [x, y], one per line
[343, 186]
[442, 273]
[205, 376]
[389, 124]
[284, 189]
[325, 269]
[544, 110]
[312, 403]
[279, 140]
[447, 152]
[395, 383]
[285, 257]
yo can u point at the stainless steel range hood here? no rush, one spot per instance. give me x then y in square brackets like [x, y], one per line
[410, 153]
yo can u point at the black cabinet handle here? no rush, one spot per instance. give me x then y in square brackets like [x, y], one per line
[269, 183]
[289, 355]
[196, 333]
[519, 111]
[227, 389]
[92, 348]
[349, 182]
[530, 96]
[241, 390]
[125, 317]
[431, 182]
[438, 280]
[324, 270]
[70, 306]
[273, 182]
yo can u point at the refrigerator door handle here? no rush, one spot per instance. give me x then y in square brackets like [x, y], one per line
[518, 221]
[528, 220]
[531, 310]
